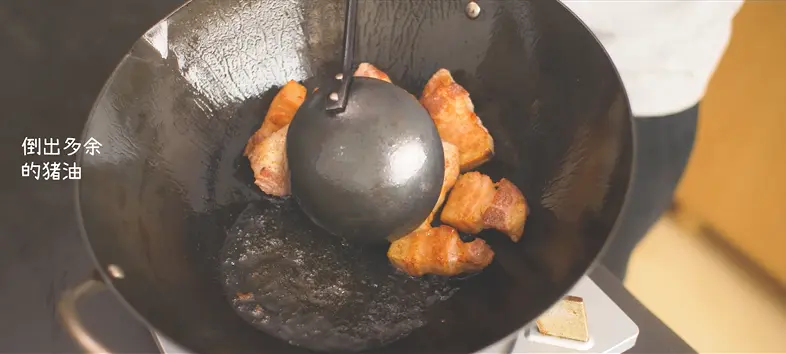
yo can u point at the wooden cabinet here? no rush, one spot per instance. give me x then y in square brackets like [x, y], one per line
[736, 178]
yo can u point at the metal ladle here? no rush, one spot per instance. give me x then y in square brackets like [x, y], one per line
[365, 158]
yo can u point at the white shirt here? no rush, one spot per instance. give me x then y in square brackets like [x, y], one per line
[665, 50]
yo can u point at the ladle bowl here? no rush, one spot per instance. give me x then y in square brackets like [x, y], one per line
[370, 172]
[365, 158]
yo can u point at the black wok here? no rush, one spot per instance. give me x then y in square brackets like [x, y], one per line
[169, 210]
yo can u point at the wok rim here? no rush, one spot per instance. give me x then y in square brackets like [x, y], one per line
[99, 268]
[633, 142]
[108, 281]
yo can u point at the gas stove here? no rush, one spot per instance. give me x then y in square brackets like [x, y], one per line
[610, 330]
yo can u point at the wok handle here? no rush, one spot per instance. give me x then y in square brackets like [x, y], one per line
[69, 314]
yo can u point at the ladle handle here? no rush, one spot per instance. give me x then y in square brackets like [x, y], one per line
[337, 100]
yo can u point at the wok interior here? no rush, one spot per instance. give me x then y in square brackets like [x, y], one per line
[174, 118]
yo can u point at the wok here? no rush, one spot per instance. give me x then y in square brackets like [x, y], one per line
[169, 210]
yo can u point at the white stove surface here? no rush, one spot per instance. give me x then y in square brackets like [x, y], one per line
[611, 330]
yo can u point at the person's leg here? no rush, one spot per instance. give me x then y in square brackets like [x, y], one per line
[664, 145]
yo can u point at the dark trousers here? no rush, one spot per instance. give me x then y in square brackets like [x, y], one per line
[664, 145]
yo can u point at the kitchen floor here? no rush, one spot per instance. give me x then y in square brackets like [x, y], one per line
[703, 296]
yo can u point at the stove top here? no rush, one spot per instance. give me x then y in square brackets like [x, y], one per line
[610, 330]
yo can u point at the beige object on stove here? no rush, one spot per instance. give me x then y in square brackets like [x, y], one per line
[567, 319]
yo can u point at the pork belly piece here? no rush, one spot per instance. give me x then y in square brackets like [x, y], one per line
[448, 180]
[508, 211]
[368, 70]
[470, 197]
[454, 115]
[439, 251]
[282, 109]
[475, 203]
[268, 160]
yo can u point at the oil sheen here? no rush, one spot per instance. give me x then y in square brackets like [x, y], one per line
[294, 281]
